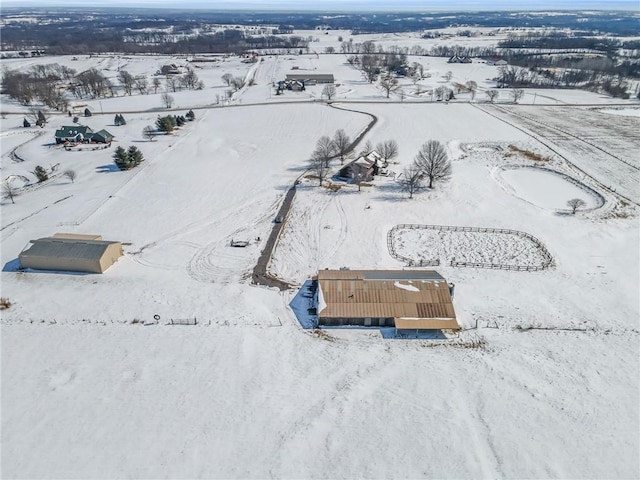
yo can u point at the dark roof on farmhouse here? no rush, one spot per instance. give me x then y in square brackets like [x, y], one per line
[72, 131]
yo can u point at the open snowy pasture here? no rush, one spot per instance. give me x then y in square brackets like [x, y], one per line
[499, 248]
[218, 179]
[586, 138]
[124, 401]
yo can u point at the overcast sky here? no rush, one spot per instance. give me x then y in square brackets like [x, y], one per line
[347, 5]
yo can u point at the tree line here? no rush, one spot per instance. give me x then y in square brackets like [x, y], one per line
[47, 84]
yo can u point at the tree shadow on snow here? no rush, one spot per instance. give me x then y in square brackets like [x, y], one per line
[109, 167]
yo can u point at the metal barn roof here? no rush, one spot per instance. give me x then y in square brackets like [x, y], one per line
[413, 298]
[68, 248]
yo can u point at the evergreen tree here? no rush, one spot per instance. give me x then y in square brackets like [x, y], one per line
[87, 112]
[166, 124]
[134, 156]
[121, 159]
[26, 123]
[191, 116]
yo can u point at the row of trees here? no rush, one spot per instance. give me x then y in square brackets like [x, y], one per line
[167, 124]
[47, 84]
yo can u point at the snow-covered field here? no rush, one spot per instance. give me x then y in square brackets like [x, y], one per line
[93, 386]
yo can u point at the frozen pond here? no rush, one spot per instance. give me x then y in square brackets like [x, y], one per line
[547, 189]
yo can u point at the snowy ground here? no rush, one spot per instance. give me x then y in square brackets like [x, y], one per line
[89, 391]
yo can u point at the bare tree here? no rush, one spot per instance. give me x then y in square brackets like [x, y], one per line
[516, 94]
[325, 149]
[237, 83]
[329, 91]
[367, 148]
[126, 80]
[411, 179]
[142, 84]
[156, 84]
[473, 88]
[9, 191]
[440, 92]
[70, 174]
[389, 84]
[172, 82]
[167, 100]
[448, 76]
[575, 204]
[341, 144]
[320, 167]
[433, 161]
[388, 150]
[226, 78]
[149, 133]
[492, 94]
[190, 79]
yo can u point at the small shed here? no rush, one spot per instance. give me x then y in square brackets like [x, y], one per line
[71, 252]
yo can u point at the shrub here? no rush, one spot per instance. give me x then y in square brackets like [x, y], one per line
[41, 174]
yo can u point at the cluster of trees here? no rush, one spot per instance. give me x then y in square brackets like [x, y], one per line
[341, 146]
[373, 60]
[47, 83]
[119, 120]
[615, 85]
[167, 124]
[39, 83]
[129, 158]
[430, 163]
[234, 82]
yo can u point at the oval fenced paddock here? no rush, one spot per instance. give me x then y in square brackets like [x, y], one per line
[476, 247]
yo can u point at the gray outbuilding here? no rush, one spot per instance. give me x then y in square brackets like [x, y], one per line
[72, 253]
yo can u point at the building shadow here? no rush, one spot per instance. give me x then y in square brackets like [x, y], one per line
[303, 306]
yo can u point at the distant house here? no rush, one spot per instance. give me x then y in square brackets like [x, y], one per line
[362, 169]
[71, 252]
[82, 134]
[102, 136]
[496, 61]
[404, 299]
[74, 133]
[170, 69]
[311, 78]
[459, 59]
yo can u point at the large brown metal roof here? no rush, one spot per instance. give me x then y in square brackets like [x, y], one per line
[414, 298]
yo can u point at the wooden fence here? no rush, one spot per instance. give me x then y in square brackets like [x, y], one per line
[547, 262]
